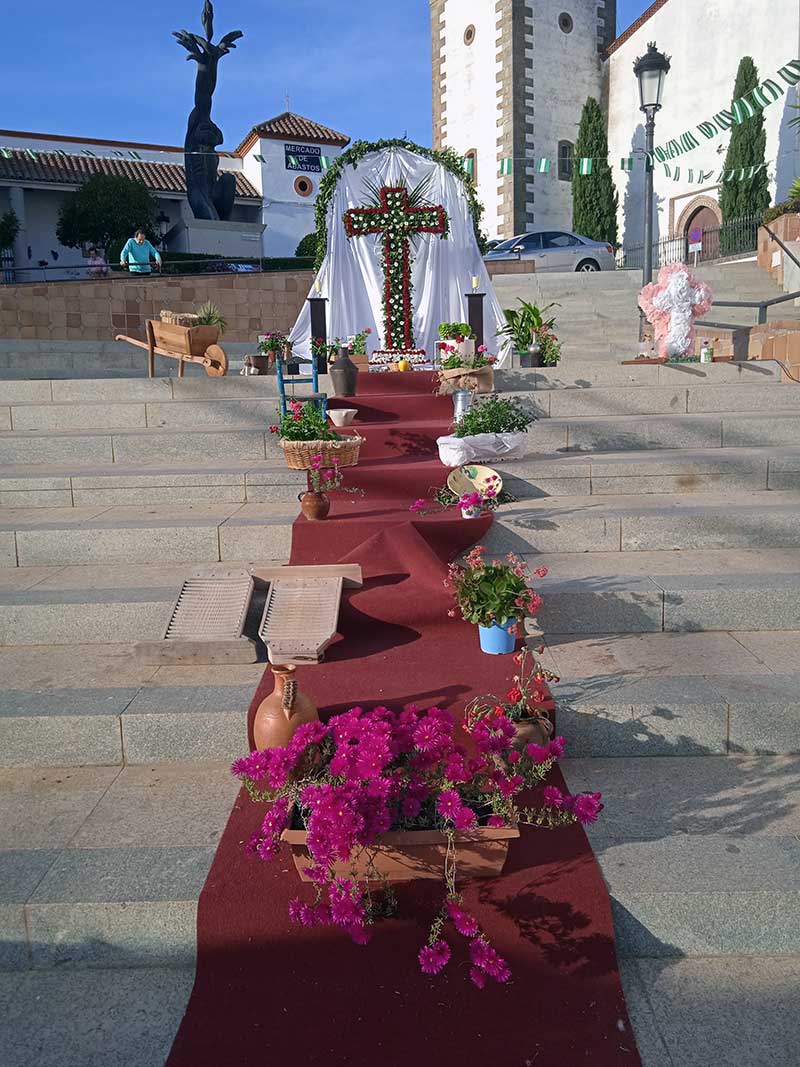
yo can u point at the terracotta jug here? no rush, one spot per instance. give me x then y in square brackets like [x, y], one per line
[534, 730]
[280, 714]
[315, 506]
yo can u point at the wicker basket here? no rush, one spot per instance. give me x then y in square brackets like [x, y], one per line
[300, 453]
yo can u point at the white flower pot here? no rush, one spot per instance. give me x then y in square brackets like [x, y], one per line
[466, 349]
[471, 513]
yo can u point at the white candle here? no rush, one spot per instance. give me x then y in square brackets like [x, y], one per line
[474, 281]
[317, 286]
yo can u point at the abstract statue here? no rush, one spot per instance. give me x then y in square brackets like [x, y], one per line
[210, 195]
[671, 306]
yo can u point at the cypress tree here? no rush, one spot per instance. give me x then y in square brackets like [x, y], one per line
[746, 148]
[594, 198]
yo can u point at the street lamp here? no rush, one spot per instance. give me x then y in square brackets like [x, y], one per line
[651, 70]
[163, 226]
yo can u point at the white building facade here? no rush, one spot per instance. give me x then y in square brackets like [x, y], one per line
[278, 169]
[510, 78]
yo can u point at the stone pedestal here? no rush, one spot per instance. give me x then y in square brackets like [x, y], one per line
[209, 237]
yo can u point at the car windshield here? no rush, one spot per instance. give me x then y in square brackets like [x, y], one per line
[506, 246]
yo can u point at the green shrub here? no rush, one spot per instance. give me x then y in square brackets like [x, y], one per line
[494, 414]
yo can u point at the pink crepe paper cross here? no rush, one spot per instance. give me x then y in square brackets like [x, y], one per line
[671, 306]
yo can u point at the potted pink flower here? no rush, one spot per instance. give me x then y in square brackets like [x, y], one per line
[378, 796]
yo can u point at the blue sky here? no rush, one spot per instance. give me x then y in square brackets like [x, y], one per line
[114, 71]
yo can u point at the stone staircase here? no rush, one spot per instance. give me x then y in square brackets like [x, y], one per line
[665, 502]
[598, 318]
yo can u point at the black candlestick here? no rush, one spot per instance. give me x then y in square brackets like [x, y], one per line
[475, 316]
[319, 329]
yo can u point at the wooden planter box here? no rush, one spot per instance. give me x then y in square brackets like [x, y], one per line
[405, 854]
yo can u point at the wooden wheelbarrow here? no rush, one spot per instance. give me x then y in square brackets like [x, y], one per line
[187, 344]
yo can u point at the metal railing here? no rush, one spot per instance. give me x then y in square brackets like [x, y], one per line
[730, 239]
[71, 272]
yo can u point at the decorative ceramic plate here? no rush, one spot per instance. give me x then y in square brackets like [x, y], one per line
[473, 476]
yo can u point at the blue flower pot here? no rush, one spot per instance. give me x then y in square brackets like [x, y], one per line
[496, 640]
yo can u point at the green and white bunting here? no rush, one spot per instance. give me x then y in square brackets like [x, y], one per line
[468, 163]
[325, 162]
[543, 166]
[626, 163]
[506, 166]
[585, 165]
[259, 158]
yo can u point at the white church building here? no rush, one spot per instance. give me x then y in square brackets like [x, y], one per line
[278, 168]
[510, 78]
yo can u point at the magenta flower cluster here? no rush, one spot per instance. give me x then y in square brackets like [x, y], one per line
[366, 772]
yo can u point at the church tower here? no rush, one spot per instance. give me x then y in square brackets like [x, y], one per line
[510, 78]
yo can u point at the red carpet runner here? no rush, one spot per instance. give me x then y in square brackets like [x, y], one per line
[271, 994]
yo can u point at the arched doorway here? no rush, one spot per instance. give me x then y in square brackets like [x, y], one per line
[703, 215]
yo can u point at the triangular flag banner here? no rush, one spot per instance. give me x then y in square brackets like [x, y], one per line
[543, 166]
[119, 155]
[506, 166]
[468, 162]
[259, 159]
[325, 162]
[293, 161]
[4, 152]
[30, 152]
[585, 166]
[134, 155]
[60, 152]
[626, 163]
[88, 152]
[690, 178]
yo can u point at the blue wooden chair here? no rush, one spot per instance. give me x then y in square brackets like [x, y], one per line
[289, 374]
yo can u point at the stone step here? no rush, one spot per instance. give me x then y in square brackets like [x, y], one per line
[42, 485]
[578, 433]
[701, 857]
[138, 390]
[664, 400]
[673, 471]
[103, 866]
[573, 373]
[157, 534]
[736, 520]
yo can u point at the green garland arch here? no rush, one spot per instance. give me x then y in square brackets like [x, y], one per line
[447, 157]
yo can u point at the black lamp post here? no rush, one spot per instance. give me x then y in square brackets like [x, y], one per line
[163, 226]
[651, 70]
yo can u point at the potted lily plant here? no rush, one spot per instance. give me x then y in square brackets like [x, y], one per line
[492, 428]
[531, 334]
[375, 796]
[495, 596]
[305, 435]
[315, 502]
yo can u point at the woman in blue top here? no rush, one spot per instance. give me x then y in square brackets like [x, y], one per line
[137, 252]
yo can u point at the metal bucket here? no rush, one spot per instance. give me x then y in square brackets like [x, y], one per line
[462, 402]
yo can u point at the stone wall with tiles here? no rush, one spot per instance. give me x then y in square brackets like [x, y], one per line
[99, 310]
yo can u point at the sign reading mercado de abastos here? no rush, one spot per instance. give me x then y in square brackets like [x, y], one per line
[303, 157]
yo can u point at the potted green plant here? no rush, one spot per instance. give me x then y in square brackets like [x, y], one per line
[269, 346]
[459, 336]
[473, 373]
[306, 437]
[492, 428]
[527, 702]
[531, 334]
[495, 596]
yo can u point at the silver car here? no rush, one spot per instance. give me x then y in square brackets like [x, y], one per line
[553, 250]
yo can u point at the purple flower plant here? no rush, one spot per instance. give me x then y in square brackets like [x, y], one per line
[365, 772]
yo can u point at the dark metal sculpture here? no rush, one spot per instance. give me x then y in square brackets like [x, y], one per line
[210, 194]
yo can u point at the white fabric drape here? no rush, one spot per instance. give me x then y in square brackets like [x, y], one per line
[351, 276]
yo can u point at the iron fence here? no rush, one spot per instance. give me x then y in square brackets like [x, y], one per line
[71, 272]
[730, 239]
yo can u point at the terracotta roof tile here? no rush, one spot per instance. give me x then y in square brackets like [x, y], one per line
[634, 26]
[52, 168]
[295, 128]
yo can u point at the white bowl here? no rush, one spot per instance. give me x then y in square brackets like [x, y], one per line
[342, 416]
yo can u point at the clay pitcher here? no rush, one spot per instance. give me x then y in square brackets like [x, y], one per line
[536, 730]
[280, 714]
[315, 506]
